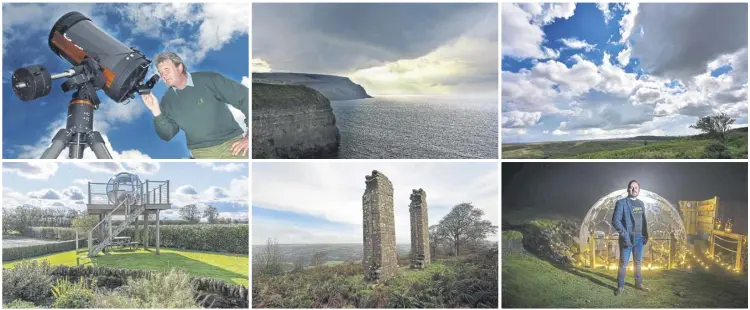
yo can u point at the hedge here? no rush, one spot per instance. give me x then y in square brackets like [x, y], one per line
[212, 293]
[51, 233]
[11, 254]
[223, 238]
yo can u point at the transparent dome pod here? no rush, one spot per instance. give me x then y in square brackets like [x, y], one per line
[124, 186]
[665, 227]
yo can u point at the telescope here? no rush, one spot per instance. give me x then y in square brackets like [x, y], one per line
[99, 62]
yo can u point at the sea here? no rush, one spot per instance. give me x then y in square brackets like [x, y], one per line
[418, 127]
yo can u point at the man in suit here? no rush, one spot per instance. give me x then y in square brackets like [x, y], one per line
[629, 219]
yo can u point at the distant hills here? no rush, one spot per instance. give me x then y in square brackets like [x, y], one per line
[639, 147]
[331, 86]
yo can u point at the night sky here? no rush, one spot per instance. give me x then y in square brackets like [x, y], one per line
[570, 189]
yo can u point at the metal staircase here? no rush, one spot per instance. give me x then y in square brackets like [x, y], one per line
[131, 215]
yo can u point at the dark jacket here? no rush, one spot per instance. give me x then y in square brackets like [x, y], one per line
[622, 221]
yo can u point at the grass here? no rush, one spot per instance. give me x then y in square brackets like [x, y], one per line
[230, 268]
[529, 282]
[334, 262]
[682, 147]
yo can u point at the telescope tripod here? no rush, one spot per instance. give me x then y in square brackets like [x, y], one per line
[78, 132]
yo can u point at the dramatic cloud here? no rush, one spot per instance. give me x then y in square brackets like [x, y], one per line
[666, 71]
[665, 54]
[448, 48]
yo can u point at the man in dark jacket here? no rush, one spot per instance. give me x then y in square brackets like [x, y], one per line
[629, 219]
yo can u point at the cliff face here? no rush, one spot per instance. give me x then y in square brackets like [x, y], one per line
[292, 121]
[331, 86]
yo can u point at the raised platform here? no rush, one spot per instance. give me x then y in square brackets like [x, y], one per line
[95, 208]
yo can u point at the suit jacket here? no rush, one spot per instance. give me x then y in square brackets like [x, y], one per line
[622, 220]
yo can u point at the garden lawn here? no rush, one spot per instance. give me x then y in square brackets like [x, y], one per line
[230, 268]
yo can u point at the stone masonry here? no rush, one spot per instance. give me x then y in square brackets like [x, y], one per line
[379, 232]
[420, 233]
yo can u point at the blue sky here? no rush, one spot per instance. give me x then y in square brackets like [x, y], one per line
[321, 202]
[65, 185]
[209, 37]
[591, 71]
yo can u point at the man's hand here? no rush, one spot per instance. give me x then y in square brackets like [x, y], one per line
[241, 146]
[151, 103]
[645, 240]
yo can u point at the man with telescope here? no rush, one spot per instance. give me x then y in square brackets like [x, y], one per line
[195, 103]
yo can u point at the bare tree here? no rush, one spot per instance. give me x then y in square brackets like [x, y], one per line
[269, 261]
[319, 258]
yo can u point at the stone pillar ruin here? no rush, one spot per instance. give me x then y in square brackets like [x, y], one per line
[420, 230]
[379, 231]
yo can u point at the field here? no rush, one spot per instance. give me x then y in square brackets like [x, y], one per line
[530, 282]
[657, 147]
[230, 268]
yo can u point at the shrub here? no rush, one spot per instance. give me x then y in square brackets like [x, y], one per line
[717, 150]
[214, 238]
[11, 254]
[215, 293]
[29, 281]
[19, 304]
[171, 290]
[51, 233]
[75, 299]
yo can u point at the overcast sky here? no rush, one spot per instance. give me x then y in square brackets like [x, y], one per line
[573, 188]
[591, 71]
[434, 48]
[322, 202]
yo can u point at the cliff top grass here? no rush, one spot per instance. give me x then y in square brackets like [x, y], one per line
[286, 96]
[230, 268]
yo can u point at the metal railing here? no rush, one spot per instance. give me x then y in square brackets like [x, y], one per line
[157, 192]
[150, 192]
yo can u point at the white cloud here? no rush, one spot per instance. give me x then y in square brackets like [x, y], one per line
[219, 23]
[35, 170]
[260, 65]
[608, 14]
[577, 44]
[73, 193]
[624, 56]
[223, 167]
[516, 119]
[522, 35]
[82, 181]
[628, 21]
[237, 193]
[47, 194]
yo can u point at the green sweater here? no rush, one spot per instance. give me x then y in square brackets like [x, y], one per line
[200, 110]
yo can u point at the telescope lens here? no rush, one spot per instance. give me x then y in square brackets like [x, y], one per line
[31, 82]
